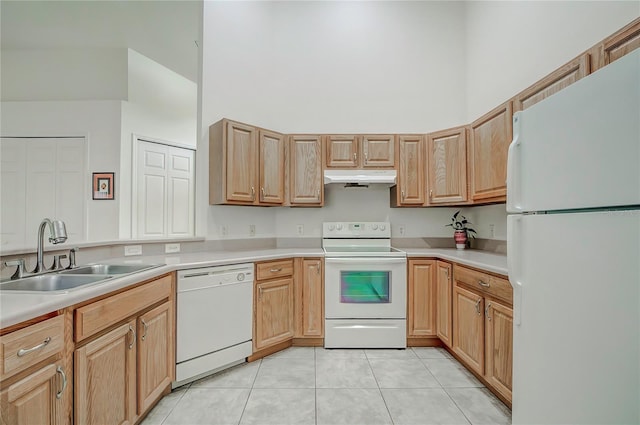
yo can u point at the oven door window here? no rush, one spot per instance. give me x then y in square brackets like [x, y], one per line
[362, 287]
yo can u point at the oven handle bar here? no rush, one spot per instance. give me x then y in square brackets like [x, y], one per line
[359, 260]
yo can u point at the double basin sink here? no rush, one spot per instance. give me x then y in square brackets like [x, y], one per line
[74, 278]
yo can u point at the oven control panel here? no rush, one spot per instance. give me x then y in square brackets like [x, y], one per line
[356, 229]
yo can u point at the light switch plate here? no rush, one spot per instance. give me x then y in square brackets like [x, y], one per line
[170, 248]
[132, 250]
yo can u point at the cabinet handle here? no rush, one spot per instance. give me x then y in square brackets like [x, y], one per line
[64, 382]
[483, 284]
[478, 305]
[260, 293]
[276, 270]
[262, 193]
[486, 311]
[253, 193]
[366, 157]
[402, 195]
[430, 193]
[23, 351]
[318, 267]
[144, 325]
[133, 337]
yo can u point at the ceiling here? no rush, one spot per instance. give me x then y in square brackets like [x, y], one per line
[164, 31]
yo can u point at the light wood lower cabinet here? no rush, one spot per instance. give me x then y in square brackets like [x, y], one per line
[105, 370]
[273, 304]
[121, 370]
[155, 354]
[444, 287]
[421, 311]
[483, 326]
[312, 298]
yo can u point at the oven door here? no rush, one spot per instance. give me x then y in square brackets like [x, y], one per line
[365, 287]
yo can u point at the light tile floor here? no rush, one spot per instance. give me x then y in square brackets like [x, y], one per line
[315, 386]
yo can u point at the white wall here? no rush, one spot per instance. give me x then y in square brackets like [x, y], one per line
[330, 67]
[63, 74]
[99, 121]
[511, 45]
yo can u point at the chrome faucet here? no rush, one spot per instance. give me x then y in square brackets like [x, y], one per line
[58, 234]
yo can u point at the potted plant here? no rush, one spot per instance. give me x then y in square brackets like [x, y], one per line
[462, 231]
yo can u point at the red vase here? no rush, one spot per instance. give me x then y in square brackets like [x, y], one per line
[460, 236]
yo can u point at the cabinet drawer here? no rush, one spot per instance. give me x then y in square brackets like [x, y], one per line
[102, 314]
[271, 269]
[484, 282]
[28, 346]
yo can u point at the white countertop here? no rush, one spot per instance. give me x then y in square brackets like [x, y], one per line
[19, 307]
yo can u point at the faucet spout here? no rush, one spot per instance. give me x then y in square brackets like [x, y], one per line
[58, 234]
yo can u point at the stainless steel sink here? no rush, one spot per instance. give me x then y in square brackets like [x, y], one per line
[51, 282]
[96, 269]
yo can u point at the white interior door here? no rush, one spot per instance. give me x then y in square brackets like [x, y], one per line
[180, 193]
[152, 189]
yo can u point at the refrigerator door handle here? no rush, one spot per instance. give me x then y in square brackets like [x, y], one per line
[514, 155]
[514, 263]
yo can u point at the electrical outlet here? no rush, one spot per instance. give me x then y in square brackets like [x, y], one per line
[132, 250]
[170, 248]
[252, 230]
[492, 231]
[401, 229]
[300, 229]
[224, 230]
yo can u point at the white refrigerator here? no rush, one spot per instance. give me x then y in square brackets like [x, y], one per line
[573, 243]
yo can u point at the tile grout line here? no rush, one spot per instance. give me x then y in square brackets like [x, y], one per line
[174, 406]
[379, 389]
[250, 391]
[456, 404]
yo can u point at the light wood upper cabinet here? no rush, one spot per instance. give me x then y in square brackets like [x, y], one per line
[553, 83]
[447, 166]
[246, 165]
[468, 328]
[378, 151]
[490, 138]
[342, 151]
[105, 385]
[312, 287]
[624, 41]
[499, 346]
[360, 151]
[271, 167]
[444, 288]
[156, 358]
[273, 312]
[421, 312]
[410, 189]
[305, 174]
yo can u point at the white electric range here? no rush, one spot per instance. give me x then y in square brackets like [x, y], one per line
[365, 286]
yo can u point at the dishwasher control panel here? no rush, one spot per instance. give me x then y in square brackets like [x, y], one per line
[211, 276]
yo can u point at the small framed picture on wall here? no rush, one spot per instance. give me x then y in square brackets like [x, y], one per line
[103, 188]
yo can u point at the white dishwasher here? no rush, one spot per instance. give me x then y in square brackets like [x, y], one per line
[213, 320]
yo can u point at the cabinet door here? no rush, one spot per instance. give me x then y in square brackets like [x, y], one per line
[553, 83]
[378, 151]
[342, 151]
[490, 139]
[421, 316]
[468, 328]
[443, 300]
[312, 298]
[447, 166]
[34, 399]
[155, 354]
[241, 147]
[622, 42]
[411, 181]
[499, 346]
[271, 167]
[274, 312]
[305, 177]
[105, 378]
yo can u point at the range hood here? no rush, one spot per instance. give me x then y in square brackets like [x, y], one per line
[360, 177]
